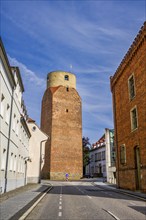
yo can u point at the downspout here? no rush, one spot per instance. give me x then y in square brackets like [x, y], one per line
[8, 146]
[117, 153]
[41, 159]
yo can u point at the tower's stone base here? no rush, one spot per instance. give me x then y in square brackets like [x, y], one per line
[61, 176]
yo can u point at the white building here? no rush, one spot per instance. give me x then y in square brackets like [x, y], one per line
[36, 152]
[110, 156]
[14, 132]
[97, 165]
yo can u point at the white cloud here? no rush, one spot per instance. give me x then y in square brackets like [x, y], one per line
[28, 74]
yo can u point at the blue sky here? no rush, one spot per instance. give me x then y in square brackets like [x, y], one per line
[91, 36]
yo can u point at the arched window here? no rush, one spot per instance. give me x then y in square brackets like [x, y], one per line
[66, 77]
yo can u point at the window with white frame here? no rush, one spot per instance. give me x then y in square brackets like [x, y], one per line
[7, 114]
[2, 105]
[131, 85]
[3, 159]
[134, 119]
[99, 156]
[103, 155]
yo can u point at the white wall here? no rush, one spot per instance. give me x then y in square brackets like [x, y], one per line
[37, 136]
[18, 139]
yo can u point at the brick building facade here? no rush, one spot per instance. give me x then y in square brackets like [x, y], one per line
[128, 87]
[61, 119]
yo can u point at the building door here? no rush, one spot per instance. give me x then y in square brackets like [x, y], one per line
[137, 167]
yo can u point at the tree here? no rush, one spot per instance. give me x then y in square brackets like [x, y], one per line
[86, 148]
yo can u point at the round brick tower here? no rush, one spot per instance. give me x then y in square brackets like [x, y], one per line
[61, 119]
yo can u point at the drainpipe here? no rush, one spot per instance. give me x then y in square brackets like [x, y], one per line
[41, 159]
[8, 145]
[115, 133]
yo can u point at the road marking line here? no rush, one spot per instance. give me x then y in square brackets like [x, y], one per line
[111, 214]
[60, 207]
[89, 197]
[60, 203]
[60, 214]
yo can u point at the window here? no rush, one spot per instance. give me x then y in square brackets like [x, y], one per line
[98, 156]
[92, 158]
[122, 154]
[3, 159]
[66, 110]
[66, 77]
[2, 105]
[7, 114]
[131, 85]
[103, 155]
[67, 89]
[134, 123]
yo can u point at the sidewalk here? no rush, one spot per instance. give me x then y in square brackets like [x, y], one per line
[110, 186]
[13, 204]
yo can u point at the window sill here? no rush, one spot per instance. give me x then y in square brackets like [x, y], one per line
[131, 99]
[135, 129]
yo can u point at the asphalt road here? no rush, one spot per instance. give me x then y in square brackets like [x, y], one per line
[82, 200]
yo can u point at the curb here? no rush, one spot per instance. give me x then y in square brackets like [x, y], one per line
[27, 209]
[122, 192]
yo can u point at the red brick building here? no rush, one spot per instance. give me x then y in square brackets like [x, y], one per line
[128, 86]
[61, 119]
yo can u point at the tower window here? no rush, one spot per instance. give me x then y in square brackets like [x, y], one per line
[67, 89]
[66, 110]
[66, 77]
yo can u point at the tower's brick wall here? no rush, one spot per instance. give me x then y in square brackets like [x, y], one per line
[61, 119]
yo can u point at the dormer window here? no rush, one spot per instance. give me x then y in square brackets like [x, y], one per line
[66, 77]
